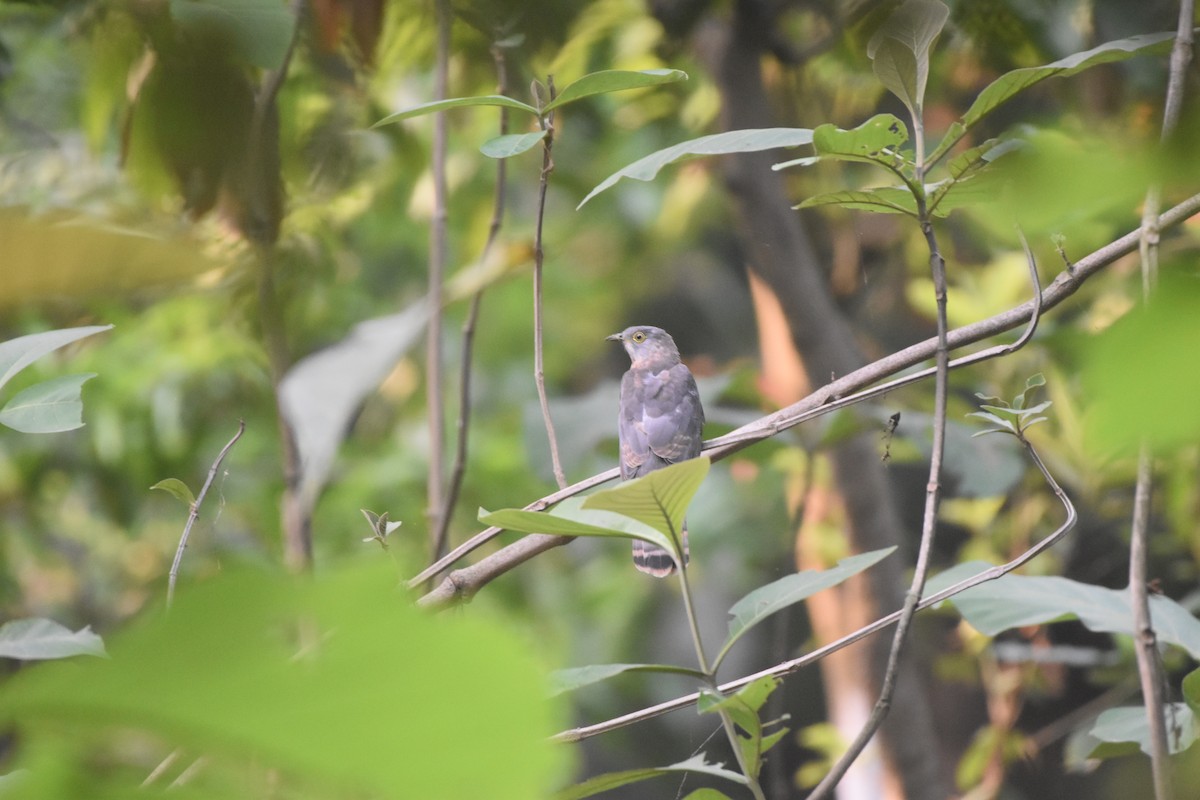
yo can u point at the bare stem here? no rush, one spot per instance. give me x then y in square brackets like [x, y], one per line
[437, 267]
[539, 371]
[194, 513]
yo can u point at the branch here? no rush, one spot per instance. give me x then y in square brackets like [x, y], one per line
[461, 584]
[788, 667]
[195, 511]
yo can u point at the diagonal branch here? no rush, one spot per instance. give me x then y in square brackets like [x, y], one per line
[463, 583]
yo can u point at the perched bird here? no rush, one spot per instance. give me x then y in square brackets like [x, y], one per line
[659, 423]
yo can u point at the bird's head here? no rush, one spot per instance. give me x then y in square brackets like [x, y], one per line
[648, 346]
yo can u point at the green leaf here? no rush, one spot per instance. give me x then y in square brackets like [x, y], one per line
[884, 200]
[227, 673]
[1191, 690]
[706, 794]
[876, 141]
[1012, 83]
[566, 680]
[1129, 724]
[745, 141]
[51, 406]
[456, 102]
[511, 144]
[260, 30]
[17, 354]
[611, 780]
[659, 499]
[899, 50]
[36, 639]
[177, 489]
[613, 80]
[1013, 601]
[789, 590]
[569, 518]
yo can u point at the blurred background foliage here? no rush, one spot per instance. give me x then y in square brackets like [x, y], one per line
[134, 192]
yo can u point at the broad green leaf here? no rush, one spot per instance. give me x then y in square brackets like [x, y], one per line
[884, 200]
[1012, 83]
[1016, 600]
[569, 518]
[745, 141]
[228, 674]
[177, 489]
[511, 144]
[869, 141]
[789, 590]
[323, 392]
[743, 708]
[260, 30]
[1191, 690]
[660, 499]
[567, 680]
[456, 102]
[611, 780]
[51, 406]
[613, 80]
[899, 50]
[36, 639]
[17, 354]
[1129, 725]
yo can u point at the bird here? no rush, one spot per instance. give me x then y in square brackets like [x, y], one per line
[659, 422]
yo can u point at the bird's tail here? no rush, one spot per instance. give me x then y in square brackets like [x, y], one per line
[653, 560]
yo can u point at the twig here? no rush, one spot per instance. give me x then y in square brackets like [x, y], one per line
[539, 371]
[788, 667]
[468, 331]
[195, 511]
[463, 583]
[437, 267]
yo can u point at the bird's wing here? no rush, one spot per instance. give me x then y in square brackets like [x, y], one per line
[661, 419]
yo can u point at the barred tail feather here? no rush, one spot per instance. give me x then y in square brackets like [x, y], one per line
[653, 560]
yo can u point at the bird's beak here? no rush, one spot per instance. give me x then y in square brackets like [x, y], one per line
[616, 337]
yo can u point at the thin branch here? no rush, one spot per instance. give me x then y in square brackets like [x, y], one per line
[788, 667]
[463, 583]
[195, 511]
[437, 268]
[539, 371]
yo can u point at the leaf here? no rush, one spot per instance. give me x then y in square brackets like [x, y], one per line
[456, 102]
[17, 354]
[875, 141]
[659, 499]
[789, 590]
[744, 141]
[743, 708]
[885, 200]
[511, 144]
[611, 780]
[1191, 690]
[51, 406]
[568, 518]
[706, 794]
[899, 50]
[37, 639]
[260, 30]
[1129, 724]
[177, 489]
[321, 394]
[1013, 601]
[1012, 83]
[613, 80]
[567, 680]
[321, 706]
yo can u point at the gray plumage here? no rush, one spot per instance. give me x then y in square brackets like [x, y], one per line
[659, 423]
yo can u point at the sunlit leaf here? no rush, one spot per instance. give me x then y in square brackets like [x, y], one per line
[511, 144]
[1130, 725]
[659, 499]
[568, 518]
[566, 680]
[791, 589]
[899, 50]
[51, 406]
[875, 141]
[36, 639]
[611, 780]
[613, 80]
[177, 489]
[746, 141]
[456, 102]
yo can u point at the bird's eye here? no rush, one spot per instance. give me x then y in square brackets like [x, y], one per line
[638, 337]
